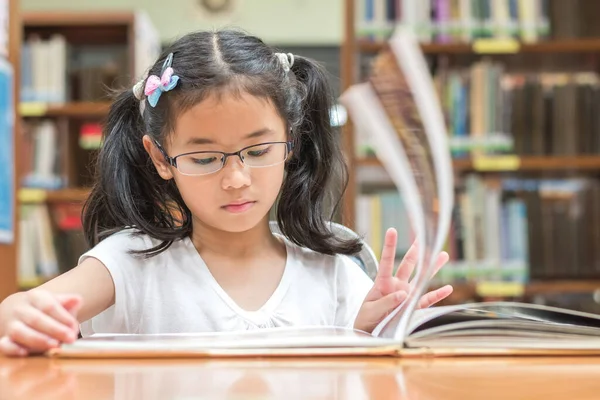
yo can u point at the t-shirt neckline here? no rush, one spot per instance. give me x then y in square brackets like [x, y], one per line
[257, 317]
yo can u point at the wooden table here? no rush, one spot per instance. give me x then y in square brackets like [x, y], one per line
[349, 378]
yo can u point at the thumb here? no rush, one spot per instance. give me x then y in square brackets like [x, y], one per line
[373, 312]
[71, 302]
[385, 305]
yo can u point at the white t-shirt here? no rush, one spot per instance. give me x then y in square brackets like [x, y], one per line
[175, 291]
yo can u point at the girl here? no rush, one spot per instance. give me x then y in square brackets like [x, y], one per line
[194, 158]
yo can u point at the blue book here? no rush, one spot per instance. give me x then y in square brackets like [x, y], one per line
[7, 173]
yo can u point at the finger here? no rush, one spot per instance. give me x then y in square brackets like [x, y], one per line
[442, 259]
[10, 348]
[45, 324]
[73, 305]
[388, 254]
[435, 296]
[408, 263]
[29, 338]
[49, 304]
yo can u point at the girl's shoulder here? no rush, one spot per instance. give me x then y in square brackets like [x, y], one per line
[126, 245]
[324, 263]
[338, 274]
[131, 238]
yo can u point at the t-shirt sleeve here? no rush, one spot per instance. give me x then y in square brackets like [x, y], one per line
[353, 284]
[127, 274]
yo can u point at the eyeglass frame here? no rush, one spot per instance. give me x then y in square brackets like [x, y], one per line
[173, 160]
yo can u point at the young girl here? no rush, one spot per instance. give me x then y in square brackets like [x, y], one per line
[195, 156]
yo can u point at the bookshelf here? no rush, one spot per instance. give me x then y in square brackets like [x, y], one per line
[8, 251]
[71, 109]
[570, 46]
[69, 64]
[583, 45]
[532, 163]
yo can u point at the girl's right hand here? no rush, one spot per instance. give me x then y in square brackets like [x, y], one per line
[38, 321]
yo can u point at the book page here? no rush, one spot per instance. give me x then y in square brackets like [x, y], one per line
[366, 111]
[400, 110]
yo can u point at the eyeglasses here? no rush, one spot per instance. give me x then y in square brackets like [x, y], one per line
[207, 162]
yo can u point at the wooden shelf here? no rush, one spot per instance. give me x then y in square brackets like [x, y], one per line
[74, 109]
[583, 45]
[68, 195]
[574, 286]
[527, 163]
[71, 195]
[466, 291]
[433, 48]
[82, 28]
[60, 19]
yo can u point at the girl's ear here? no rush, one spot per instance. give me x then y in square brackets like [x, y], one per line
[158, 159]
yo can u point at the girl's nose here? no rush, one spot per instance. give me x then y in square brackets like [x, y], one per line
[235, 173]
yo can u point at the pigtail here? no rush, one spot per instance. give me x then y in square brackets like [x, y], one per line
[128, 192]
[316, 167]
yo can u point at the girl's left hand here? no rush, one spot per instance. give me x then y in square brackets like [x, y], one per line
[390, 290]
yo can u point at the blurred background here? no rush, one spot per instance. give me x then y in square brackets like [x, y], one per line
[517, 79]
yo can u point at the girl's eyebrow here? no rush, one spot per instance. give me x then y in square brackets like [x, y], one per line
[255, 134]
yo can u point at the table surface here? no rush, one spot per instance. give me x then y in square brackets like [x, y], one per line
[302, 378]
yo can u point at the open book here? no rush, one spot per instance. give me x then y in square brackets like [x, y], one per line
[399, 109]
[474, 329]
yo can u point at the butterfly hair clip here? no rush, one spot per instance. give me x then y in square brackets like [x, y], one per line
[156, 86]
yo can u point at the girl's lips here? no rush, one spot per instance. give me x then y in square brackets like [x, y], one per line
[239, 207]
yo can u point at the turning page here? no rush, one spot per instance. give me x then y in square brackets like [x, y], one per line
[399, 108]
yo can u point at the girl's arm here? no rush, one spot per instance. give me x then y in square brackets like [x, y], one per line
[41, 318]
[91, 281]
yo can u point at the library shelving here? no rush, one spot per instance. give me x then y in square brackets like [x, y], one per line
[70, 62]
[526, 71]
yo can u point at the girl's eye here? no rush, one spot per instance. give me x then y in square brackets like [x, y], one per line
[258, 153]
[204, 161]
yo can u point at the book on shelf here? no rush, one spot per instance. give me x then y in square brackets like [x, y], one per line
[55, 71]
[490, 111]
[465, 21]
[541, 113]
[41, 163]
[504, 229]
[445, 21]
[58, 66]
[7, 149]
[37, 254]
[50, 241]
[400, 108]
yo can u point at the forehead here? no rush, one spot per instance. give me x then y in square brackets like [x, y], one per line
[226, 119]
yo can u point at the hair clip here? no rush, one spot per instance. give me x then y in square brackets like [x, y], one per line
[286, 60]
[155, 86]
[138, 89]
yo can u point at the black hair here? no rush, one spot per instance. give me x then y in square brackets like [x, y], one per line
[128, 191]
